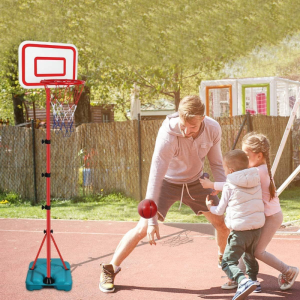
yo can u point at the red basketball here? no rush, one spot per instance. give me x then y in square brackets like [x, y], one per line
[147, 209]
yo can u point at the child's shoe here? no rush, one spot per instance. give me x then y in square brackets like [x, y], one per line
[258, 289]
[246, 287]
[287, 280]
[230, 285]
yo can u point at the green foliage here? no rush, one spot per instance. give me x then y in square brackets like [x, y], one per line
[9, 84]
[157, 44]
[278, 60]
[151, 33]
[12, 198]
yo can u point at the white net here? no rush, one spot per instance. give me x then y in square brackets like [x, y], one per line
[64, 96]
[63, 117]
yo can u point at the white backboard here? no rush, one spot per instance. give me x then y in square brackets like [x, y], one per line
[41, 60]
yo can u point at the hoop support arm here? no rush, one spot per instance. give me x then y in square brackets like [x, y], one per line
[58, 252]
[37, 256]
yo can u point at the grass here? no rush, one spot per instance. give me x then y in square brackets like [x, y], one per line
[290, 204]
[117, 207]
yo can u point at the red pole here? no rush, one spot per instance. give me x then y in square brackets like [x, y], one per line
[48, 93]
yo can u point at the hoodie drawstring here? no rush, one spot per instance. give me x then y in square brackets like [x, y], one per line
[187, 189]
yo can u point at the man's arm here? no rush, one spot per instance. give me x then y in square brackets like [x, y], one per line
[163, 152]
[215, 159]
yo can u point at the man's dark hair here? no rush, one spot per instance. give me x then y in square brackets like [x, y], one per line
[236, 160]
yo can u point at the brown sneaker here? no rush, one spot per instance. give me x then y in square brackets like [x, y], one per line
[286, 280]
[107, 277]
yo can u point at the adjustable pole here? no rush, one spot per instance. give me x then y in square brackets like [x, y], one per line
[48, 234]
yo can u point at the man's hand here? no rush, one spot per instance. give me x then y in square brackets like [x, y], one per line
[206, 183]
[209, 203]
[151, 231]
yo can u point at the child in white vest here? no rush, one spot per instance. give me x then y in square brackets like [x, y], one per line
[242, 201]
[257, 148]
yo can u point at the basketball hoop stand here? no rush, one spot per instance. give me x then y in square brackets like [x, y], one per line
[50, 272]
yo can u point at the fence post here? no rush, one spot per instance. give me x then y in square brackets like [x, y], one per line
[240, 131]
[34, 163]
[249, 123]
[140, 155]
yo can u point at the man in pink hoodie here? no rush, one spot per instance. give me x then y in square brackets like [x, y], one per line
[183, 141]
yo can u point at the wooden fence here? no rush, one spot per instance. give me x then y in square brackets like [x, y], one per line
[101, 158]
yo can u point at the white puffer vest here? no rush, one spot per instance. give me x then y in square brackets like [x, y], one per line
[245, 210]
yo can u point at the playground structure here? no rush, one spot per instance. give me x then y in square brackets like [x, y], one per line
[271, 96]
[54, 67]
[282, 144]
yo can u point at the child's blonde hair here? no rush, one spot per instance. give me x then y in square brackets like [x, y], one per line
[257, 142]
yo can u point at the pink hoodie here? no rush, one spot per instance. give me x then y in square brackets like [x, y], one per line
[180, 160]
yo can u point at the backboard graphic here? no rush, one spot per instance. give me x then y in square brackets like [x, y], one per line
[41, 60]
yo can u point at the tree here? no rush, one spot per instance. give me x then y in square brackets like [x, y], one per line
[150, 39]
[196, 37]
[83, 111]
[115, 83]
[152, 33]
[10, 84]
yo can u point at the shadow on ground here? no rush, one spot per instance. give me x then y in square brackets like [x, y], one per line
[171, 240]
[217, 293]
[200, 228]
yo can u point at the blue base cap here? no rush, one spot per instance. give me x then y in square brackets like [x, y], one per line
[62, 278]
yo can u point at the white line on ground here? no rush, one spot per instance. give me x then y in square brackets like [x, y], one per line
[95, 233]
[71, 220]
[113, 221]
[35, 231]
[121, 234]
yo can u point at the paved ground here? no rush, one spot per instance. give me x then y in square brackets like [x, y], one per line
[182, 266]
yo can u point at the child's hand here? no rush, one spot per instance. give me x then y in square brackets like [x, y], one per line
[209, 202]
[214, 192]
[206, 183]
